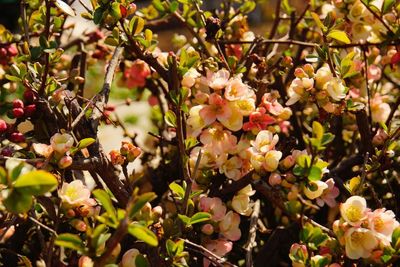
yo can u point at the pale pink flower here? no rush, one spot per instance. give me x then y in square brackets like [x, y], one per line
[382, 223]
[137, 74]
[329, 195]
[271, 160]
[217, 80]
[335, 88]
[315, 189]
[190, 77]
[235, 89]
[380, 110]
[42, 149]
[61, 143]
[214, 206]
[374, 73]
[229, 226]
[218, 108]
[323, 76]
[219, 247]
[297, 89]
[195, 122]
[265, 141]
[232, 168]
[218, 139]
[241, 201]
[359, 243]
[354, 210]
[75, 194]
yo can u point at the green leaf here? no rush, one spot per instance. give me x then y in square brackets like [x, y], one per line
[340, 36]
[17, 202]
[140, 202]
[174, 6]
[136, 25]
[85, 142]
[315, 174]
[106, 202]
[177, 189]
[170, 118]
[387, 5]
[327, 138]
[304, 161]
[141, 261]
[71, 241]
[318, 130]
[200, 217]
[158, 5]
[36, 183]
[13, 78]
[248, 7]
[65, 8]
[143, 233]
[185, 219]
[318, 21]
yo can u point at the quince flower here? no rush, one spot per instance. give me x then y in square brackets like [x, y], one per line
[232, 168]
[190, 77]
[258, 120]
[229, 226]
[195, 122]
[316, 190]
[323, 76]
[61, 143]
[382, 223]
[236, 89]
[297, 88]
[218, 108]
[359, 243]
[219, 247]
[335, 88]
[329, 194]
[217, 80]
[265, 141]
[354, 210]
[241, 201]
[75, 194]
[129, 258]
[137, 74]
[380, 110]
[218, 139]
[213, 205]
[271, 160]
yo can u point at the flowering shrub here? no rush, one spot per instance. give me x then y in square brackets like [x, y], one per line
[265, 150]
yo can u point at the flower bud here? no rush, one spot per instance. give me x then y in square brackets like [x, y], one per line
[79, 225]
[17, 137]
[207, 229]
[65, 162]
[18, 112]
[274, 179]
[85, 261]
[17, 103]
[3, 126]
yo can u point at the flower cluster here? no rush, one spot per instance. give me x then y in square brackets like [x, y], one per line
[363, 232]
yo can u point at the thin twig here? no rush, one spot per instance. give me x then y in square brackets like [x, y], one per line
[252, 234]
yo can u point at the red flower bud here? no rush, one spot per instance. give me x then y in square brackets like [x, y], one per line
[7, 152]
[12, 51]
[3, 126]
[18, 112]
[17, 103]
[17, 137]
[29, 96]
[395, 58]
[30, 110]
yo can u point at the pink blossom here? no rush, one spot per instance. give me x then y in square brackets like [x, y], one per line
[229, 226]
[382, 223]
[218, 108]
[265, 141]
[216, 80]
[219, 140]
[258, 120]
[235, 89]
[213, 205]
[329, 195]
[219, 247]
[374, 73]
[137, 74]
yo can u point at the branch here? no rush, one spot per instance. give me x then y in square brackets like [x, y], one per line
[252, 234]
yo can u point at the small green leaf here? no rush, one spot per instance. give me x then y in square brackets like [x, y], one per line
[36, 183]
[177, 189]
[141, 261]
[106, 202]
[136, 25]
[85, 142]
[143, 233]
[387, 5]
[65, 8]
[140, 202]
[174, 6]
[315, 174]
[318, 21]
[17, 202]
[170, 118]
[318, 130]
[71, 241]
[200, 217]
[340, 36]
[185, 219]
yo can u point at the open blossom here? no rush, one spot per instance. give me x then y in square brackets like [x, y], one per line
[336, 89]
[213, 205]
[329, 195]
[129, 258]
[190, 77]
[271, 104]
[75, 194]
[382, 223]
[265, 141]
[195, 122]
[359, 242]
[217, 80]
[42, 149]
[218, 108]
[258, 120]
[218, 139]
[229, 226]
[354, 210]
[235, 89]
[379, 109]
[271, 160]
[137, 74]
[219, 247]
[322, 76]
[241, 201]
[297, 88]
[315, 189]
[61, 143]
[232, 168]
